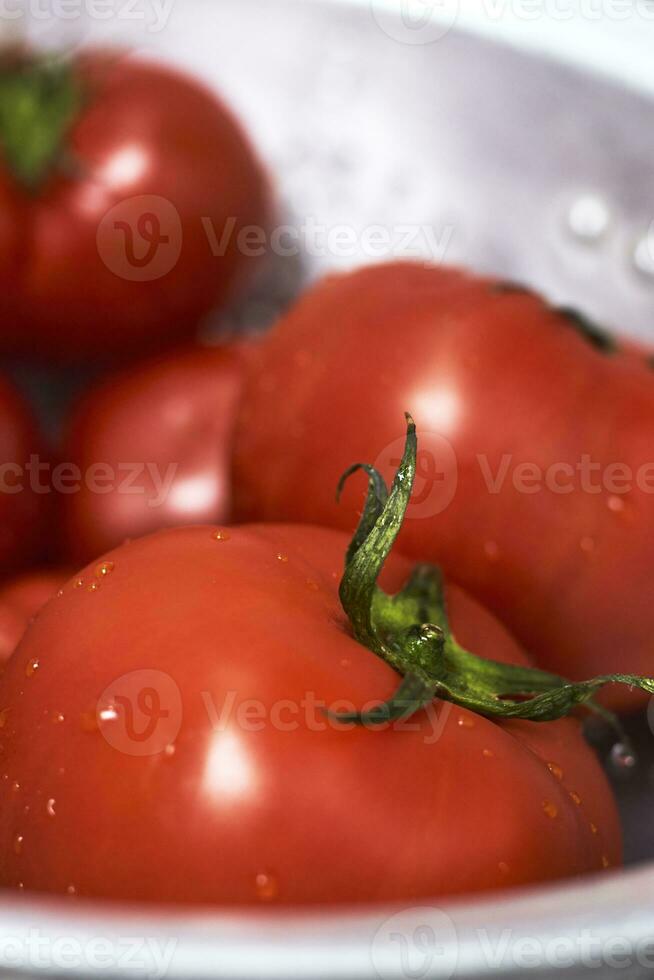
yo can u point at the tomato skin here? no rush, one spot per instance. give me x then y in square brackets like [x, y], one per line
[169, 422]
[23, 512]
[150, 142]
[502, 377]
[20, 600]
[268, 814]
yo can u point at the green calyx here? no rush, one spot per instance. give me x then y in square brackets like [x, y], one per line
[40, 99]
[411, 631]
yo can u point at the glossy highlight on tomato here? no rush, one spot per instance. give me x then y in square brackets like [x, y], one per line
[200, 713]
[503, 387]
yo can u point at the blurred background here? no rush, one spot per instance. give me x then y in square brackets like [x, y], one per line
[404, 117]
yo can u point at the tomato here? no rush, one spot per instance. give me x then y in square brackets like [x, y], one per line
[518, 496]
[20, 600]
[124, 191]
[172, 694]
[23, 510]
[153, 445]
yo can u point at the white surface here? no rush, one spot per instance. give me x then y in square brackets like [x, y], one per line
[615, 37]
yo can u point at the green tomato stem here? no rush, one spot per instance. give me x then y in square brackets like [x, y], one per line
[40, 98]
[411, 630]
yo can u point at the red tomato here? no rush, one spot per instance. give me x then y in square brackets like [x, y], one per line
[161, 432]
[174, 691]
[517, 402]
[20, 600]
[22, 509]
[108, 247]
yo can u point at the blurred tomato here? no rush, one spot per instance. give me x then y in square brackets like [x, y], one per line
[153, 446]
[124, 191]
[25, 491]
[536, 472]
[20, 600]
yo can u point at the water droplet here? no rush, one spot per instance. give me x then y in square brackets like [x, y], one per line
[18, 843]
[487, 754]
[50, 808]
[615, 504]
[71, 890]
[587, 545]
[593, 827]
[20, 886]
[94, 587]
[312, 586]
[465, 721]
[492, 550]
[556, 770]
[15, 786]
[169, 751]
[622, 758]
[60, 593]
[32, 668]
[588, 218]
[504, 868]
[104, 568]
[345, 662]
[605, 861]
[107, 714]
[57, 717]
[267, 887]
[220, 535]
[282, 558]
[550, 809]
[575, 797]
[79, 583]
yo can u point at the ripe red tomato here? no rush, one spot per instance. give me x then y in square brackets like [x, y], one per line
[153, 447]
[20, 600]
[176, 688]
[121, 229]
[22, 510]
[518, 400]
